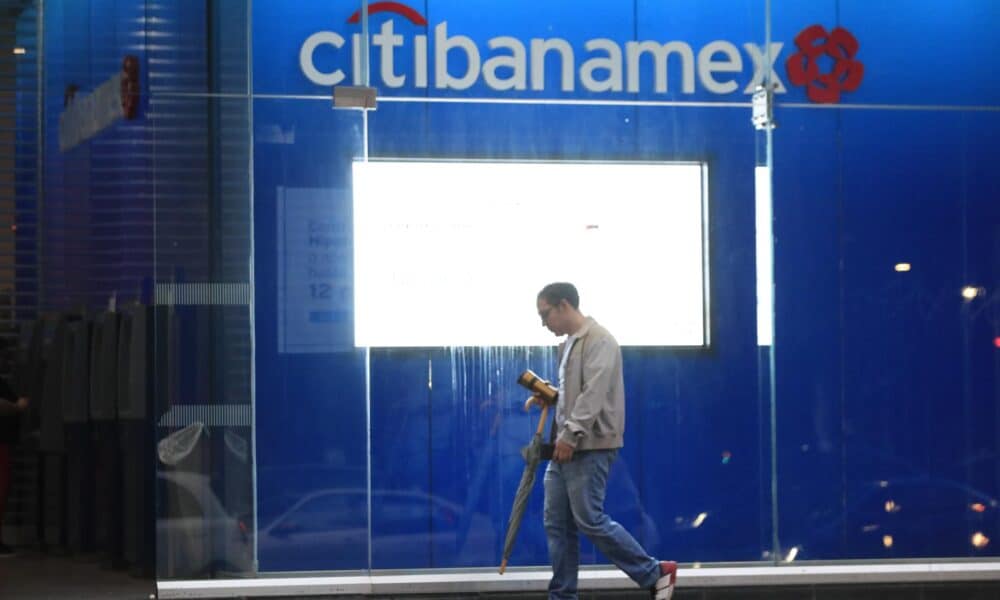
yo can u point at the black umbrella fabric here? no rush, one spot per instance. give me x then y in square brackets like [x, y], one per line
[532, 454]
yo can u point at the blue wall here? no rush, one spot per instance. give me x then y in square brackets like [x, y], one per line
[886, 382]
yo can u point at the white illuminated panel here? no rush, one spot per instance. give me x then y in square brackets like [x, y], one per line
[765, 259]
[454, 253]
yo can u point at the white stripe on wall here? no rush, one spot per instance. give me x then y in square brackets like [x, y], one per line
[201, 294]
[222, 415]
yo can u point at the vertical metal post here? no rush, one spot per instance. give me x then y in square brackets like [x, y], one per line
[769, 162]
[368, 370]
[251, 301]
[40, 154]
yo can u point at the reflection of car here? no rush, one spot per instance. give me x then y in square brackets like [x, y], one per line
[410, 529]
[904, 518]
[196, 535]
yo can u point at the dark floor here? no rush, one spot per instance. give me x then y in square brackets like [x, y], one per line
[34, 576]
[31, 575]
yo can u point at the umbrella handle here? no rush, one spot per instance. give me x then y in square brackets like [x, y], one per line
[541, 420]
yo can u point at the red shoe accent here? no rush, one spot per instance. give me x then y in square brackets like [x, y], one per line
[669, 567]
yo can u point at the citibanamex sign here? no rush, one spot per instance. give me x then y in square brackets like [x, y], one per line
[437, 57]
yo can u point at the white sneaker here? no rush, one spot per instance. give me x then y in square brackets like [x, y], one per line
[664, 588]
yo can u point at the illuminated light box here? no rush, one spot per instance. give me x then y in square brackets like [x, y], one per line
[454, 253]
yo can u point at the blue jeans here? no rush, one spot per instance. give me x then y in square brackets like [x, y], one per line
[574, 502]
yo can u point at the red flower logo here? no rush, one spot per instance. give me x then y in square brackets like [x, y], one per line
[803, 67]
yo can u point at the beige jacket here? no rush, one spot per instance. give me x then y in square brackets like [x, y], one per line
[592, 407]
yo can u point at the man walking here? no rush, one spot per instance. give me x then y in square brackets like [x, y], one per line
[590, 421]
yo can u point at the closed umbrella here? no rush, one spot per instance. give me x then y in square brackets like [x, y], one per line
[532, 454]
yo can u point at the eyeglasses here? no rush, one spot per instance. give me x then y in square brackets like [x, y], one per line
[544, 314]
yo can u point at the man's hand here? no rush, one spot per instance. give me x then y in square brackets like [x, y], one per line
[22, 404]
[563, 452]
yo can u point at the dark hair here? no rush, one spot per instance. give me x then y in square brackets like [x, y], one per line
[554, 293]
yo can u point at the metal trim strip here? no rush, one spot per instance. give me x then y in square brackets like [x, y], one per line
[517, 580]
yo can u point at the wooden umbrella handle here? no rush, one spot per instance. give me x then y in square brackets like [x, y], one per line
[541, 420]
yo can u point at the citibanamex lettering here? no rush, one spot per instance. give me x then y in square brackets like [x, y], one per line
[504, 63]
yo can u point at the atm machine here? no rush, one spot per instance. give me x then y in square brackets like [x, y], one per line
[79, 454]
[52, 442]
[107, 513]
[135, 437]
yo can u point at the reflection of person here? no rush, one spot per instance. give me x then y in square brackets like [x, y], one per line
[10, 409]
[590, 420]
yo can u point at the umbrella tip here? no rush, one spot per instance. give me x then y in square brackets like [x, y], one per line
[503, 566]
